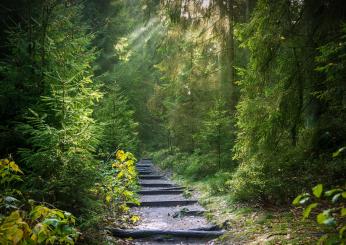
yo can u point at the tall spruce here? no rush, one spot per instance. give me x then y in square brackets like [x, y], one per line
[60, 130]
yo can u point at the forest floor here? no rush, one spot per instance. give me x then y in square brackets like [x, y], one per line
[253, 224]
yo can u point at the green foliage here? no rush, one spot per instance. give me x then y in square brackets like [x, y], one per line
[24, 222]
[61, 131]
[284, 129]
[56, 85]
[112, 21]
[120, 128]
[9, 172]
[9, 195]
[329, 210]
[214, 137]
[119, 184]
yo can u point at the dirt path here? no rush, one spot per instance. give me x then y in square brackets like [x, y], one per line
[167, 216]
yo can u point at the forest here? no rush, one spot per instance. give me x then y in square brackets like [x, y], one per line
[244, 101]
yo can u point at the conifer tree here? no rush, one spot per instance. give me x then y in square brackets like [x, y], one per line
[120, 129]
[214, 136]
[61, 131]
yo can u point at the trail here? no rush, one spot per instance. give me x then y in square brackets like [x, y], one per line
[166, 215]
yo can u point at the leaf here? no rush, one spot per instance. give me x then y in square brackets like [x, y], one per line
[297, 199]
[341, 231]
[51, 221]
[67, 214]
[321, 217]
[108, 198]
[304, 200]
[343, 212]
[317, 190]
[337, 153]
[308, 209]
[332, 191]
[336, 197]
[34, 237]
[330, 221]
[15, 167]
[59, 213]
[51, 239]
[39, 211]
[120, 154]
[17, 236]
[135, 218]
[325, 219]
[10, 199]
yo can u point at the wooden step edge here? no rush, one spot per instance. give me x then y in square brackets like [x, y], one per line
[173, 203]
[155, 185]
[191, 213]
[173, 188]
[126, 233]
[151, 176]
[144, 165]
[145, 172]
[161, 192]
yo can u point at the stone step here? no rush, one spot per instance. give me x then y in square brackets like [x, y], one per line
[126, 233]
[160, 192]
[156, 184]
[150, 176]
[143, 165]
[145, 172]
[172, 203]
[160, 198]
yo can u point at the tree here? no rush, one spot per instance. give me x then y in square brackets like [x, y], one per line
[60, 130]
[214, 137]
[120, 128]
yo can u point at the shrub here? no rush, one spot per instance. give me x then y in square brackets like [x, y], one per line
[329, 209]
[26, 222]
[118, 186]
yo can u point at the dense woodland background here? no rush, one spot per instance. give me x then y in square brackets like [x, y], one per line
[248, 96]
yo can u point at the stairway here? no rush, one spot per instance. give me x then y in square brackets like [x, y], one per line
[167, 216]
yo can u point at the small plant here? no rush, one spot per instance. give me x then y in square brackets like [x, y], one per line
[42, 225]
[119, 184]
[330, 212]
[37, 224]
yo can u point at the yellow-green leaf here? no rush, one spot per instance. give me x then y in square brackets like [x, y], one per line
[15, 167]
[335, 154]
[108, 198]
[18, 235]
[308, 210]
[317, 190]
[321, 218]
[135, 218]
[343, 212]
[297, 199]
